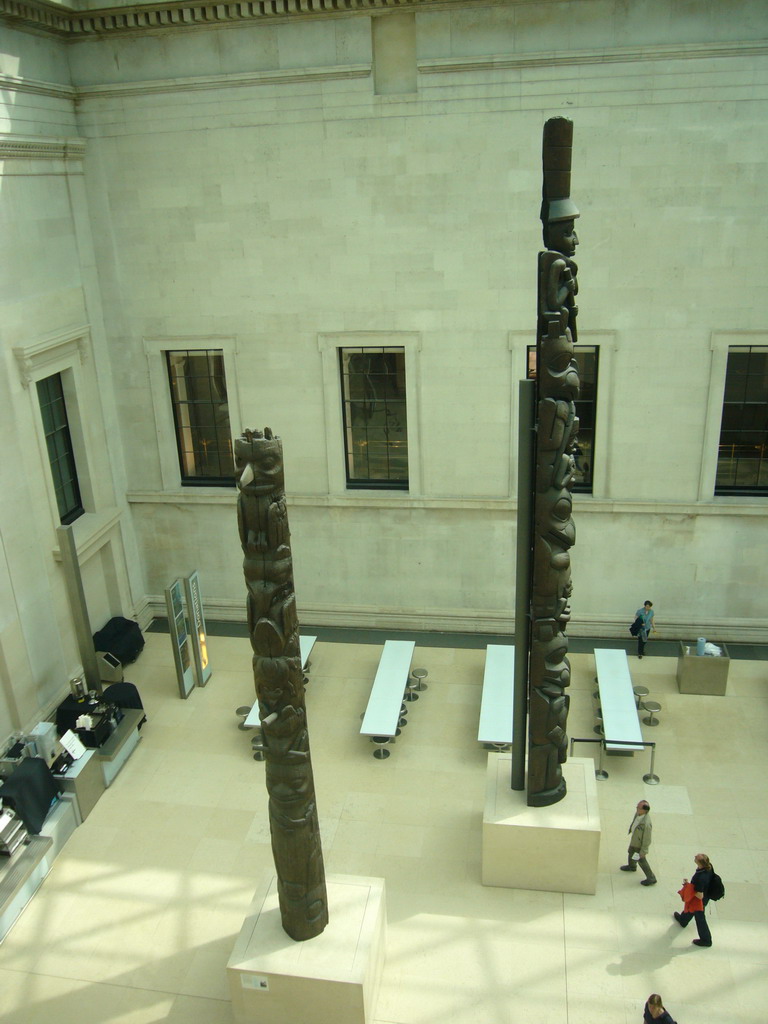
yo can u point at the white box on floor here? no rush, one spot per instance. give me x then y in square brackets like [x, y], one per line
[331, 979]
[551, 848]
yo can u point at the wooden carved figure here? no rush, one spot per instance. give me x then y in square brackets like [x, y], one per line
[557, 386]
[273, 627]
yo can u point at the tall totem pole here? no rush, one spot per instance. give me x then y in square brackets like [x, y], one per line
[557, 387]
[273, 627]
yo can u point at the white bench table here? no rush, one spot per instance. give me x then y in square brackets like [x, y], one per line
[496, 705]
[382, 715]
[617, 700]
[306, 643]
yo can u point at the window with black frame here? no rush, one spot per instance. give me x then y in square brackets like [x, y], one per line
[201, 417]
[742, 457]
[587, 357]
[61, 455]
[374, 417]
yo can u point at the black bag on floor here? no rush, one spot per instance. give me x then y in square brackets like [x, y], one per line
[121, 638]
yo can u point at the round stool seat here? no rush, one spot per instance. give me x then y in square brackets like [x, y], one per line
[420, 674]
[653, 708]
[411, 688]
[598, 721]
[640, 692]
[242, 713]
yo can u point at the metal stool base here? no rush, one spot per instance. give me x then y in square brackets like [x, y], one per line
[420, 674]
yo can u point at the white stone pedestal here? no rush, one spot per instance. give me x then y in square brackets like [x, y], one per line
[331, 979]
[553, 848]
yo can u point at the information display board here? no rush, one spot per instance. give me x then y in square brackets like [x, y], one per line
[177, 626]
[197, 627]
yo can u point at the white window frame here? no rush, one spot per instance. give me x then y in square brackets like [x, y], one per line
[329, 345]
[155, 350]
[720, 342]
[64, 353]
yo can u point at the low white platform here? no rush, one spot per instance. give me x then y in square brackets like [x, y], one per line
[551, 848]
[331, 979]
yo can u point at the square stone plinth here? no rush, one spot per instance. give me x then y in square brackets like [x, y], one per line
[332, 978]
[702, 673]
[553, 848]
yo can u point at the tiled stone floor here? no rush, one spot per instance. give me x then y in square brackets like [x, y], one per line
[136, 921]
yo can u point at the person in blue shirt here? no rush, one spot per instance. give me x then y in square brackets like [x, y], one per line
[645, 614]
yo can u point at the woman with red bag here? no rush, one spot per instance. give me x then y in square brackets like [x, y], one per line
[694, 895]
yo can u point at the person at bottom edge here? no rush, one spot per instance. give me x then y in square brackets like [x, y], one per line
[640, 832]
[654, 1011]
[694, 895]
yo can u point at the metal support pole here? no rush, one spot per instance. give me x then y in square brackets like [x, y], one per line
[600, 772]
[71, 566]
[526, 438]
[652, 779]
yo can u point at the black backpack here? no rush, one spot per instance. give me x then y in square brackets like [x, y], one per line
[716, 889]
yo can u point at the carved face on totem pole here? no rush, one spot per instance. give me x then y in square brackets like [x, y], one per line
[268, 564]
[259, 462]
[560, 236]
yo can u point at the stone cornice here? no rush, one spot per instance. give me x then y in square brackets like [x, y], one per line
[251, 78]
[284, 76]
[10, 83]
[59, 20]
[351, 500]
[606, 55]
[30, 147]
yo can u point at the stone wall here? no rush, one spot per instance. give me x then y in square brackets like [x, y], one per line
[278, 189]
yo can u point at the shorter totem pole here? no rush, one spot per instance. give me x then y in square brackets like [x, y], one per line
[273, 627]
[557, 387]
